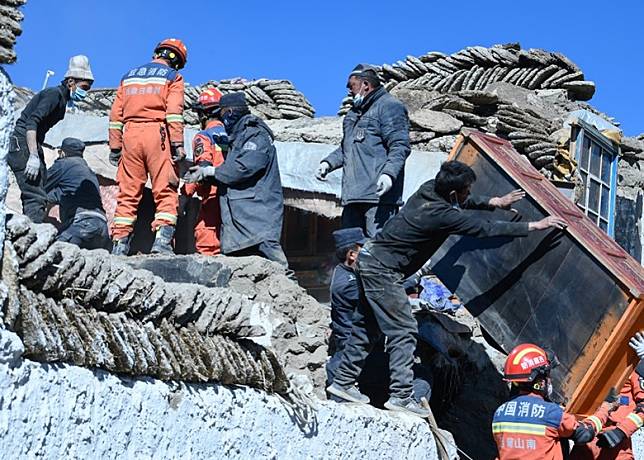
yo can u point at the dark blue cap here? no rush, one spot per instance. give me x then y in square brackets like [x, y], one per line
[348, 237]
[233, 100]
[73, 147]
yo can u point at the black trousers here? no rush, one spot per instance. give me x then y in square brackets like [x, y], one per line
[383, 309]
[371, 217]
[271, 250]
[87, 232]
[32, 193]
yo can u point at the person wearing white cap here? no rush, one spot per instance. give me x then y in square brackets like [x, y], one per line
[45, 109]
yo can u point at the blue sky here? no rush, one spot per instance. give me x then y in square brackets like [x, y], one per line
[315, 44]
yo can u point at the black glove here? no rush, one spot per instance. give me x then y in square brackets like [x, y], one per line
[115, 156]
[609, 439]
[178, 153]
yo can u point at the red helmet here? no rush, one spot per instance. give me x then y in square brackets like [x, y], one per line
[173, 50]
[208, 99]
[525, 363]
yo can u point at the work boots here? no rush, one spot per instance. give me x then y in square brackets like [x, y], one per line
[408, 406]
[163, 240]
[121, 247]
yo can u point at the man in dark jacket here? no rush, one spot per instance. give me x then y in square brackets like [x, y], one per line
[45, 109]
[74, 186]
[405, 243]
[372, 155]
[252, 203]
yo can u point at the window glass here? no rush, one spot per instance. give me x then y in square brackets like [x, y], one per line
[605, 201]
[606, 166]
[583, 164]
[592, 216]
[584, 180]
[595, 159]
[595, 171]
[593, 195]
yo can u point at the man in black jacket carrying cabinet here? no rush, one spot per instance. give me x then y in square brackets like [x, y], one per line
[74, 186]
[251, 197]
[436, 211]
[44, 110]
[372, 155]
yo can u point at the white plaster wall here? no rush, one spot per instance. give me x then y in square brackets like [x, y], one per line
[61, 411]
[638, 444]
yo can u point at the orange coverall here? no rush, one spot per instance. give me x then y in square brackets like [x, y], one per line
[146, 117]
[207, 150]
[627, 418]
[530, 428]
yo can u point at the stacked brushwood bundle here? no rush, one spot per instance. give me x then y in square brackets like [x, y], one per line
[269, 99]
[10, 28]
[474, 67]
[496, 90]
[89, 309]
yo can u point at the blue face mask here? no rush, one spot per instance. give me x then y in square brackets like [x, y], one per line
[78, 94]
[357, 100]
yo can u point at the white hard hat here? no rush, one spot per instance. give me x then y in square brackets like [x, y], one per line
[79, 68]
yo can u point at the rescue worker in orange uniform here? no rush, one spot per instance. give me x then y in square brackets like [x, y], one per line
[146, 138]
[207, 148]
[614, 443]
[529, 426]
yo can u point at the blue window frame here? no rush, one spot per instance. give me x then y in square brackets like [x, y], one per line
[597, 163]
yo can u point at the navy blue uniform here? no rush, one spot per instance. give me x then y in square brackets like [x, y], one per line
[251, 197]
[74, 186]
[374, 378]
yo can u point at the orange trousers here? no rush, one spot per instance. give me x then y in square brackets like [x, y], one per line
[208, 227]
[146, 151]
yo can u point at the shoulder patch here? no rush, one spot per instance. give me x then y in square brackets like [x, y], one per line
[198, 147]
[250, 145]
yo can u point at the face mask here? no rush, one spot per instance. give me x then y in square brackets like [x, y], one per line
[228, 118]
[357, 100]
[78, 94]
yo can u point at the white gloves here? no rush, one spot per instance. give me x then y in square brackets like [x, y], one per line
[322, 170]
[32, 168]
[384, 184]
[199, 173]
[637, 344]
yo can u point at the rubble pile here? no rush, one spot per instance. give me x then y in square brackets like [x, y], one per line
[269, 99]
[86, 308]
[300, 323]
[529, 126]
[10, 28]
[295, 323]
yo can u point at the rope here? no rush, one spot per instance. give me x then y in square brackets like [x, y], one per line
[441, 440]
[302, 408]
